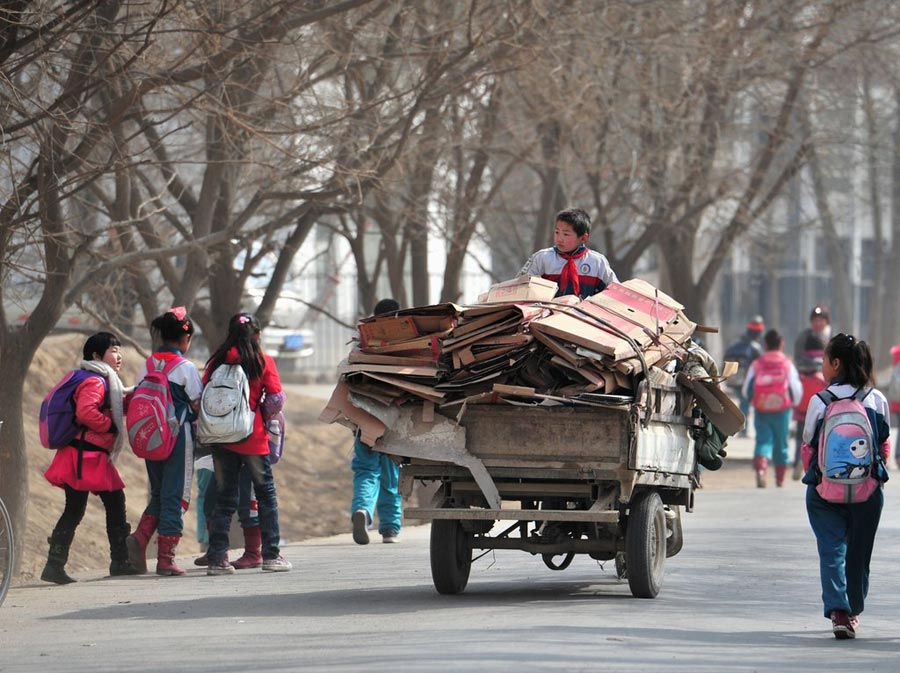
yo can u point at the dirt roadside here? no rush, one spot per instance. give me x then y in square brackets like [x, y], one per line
[313, 478]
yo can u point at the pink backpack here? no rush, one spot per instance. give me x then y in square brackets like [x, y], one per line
[770, 382]
[151, 421]
[847, 455]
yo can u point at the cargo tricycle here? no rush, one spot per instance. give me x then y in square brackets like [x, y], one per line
[607, 476]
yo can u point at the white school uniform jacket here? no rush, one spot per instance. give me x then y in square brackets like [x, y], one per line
[594, 271]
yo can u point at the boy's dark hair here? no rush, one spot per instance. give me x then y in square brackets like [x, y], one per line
[772, 339]
[387, 305]
[813, 342]
[576, 218]
[855, 357]
[98, 344]
[243, 331]
[170, 328]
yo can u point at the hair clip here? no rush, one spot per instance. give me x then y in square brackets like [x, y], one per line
[186, 326]
[244, 319]
[178, 311]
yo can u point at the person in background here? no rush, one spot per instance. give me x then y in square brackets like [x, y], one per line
[576, 268]
[894, 392]
[809, 365]
[376, 481]
[845, 533]
[251, 456]
[773, 386]
[744, 351]
[819, 326]
[88, 464]
[170, 479]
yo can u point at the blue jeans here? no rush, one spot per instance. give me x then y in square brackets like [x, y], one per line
[246, 496]
[376, 482]
[228, 466]
[170, 486]
[772, 430]
[845, 535]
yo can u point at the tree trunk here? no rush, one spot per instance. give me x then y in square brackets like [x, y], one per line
[552, 195]
[676, 260]
[842, 312]
[15, 357]
[876, 305]
[892, 301]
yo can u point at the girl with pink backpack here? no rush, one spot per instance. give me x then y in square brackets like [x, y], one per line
[845, 447]
[773, 386]
[169, 474]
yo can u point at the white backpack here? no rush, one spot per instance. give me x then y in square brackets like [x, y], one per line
[225, 416]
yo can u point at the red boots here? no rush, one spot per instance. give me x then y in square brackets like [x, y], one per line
[252, 557]
[165, 559]
[780, 474]
[137, 542]
[761, 465]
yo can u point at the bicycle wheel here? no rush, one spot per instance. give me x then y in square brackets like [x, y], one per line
[7, 551]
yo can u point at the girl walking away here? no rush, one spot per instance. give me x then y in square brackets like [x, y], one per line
[845, 447]
[170, 479]
[266, 397]
[88, 463]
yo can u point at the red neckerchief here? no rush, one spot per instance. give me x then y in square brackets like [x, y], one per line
[570, 270]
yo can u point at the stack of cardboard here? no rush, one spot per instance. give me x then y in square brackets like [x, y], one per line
[566, 349]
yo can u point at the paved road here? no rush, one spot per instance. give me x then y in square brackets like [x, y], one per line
[742, 596]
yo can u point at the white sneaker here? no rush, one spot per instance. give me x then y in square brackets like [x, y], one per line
[390, 538]
[360, 521]
[276, 565]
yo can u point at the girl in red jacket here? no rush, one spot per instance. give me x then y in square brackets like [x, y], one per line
[88, 465]
[241, 346]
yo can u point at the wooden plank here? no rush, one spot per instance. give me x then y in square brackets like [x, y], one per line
[559, 436]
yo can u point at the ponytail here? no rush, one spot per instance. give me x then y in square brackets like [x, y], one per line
[856, 359]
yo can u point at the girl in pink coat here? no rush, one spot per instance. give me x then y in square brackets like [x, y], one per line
[87, 465]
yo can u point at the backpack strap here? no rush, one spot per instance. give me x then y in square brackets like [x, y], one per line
[827, 397]
[861, 394]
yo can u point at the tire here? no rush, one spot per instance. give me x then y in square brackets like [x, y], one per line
[7, 551]
[451, 556]
[674, 534]
[645, 545]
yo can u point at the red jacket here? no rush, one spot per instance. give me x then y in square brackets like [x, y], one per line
[257, 444]
[97, 473]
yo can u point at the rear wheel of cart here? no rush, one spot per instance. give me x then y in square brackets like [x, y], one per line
[451, 556]
[645, 545]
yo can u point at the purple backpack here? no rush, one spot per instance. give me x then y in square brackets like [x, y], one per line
[56, 421]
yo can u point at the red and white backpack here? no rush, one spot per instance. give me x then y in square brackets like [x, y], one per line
[771, 384]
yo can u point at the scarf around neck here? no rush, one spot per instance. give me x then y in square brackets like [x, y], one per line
[116, 394]
[569, 273]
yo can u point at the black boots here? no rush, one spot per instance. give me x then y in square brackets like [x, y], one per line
[118, 551]
[55, 570]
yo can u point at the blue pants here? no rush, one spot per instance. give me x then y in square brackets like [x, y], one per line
[204, 478]
[247, 515]
[376, 481]
[845, 535]
[228, 466]
[170, 486]
[772, 430]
